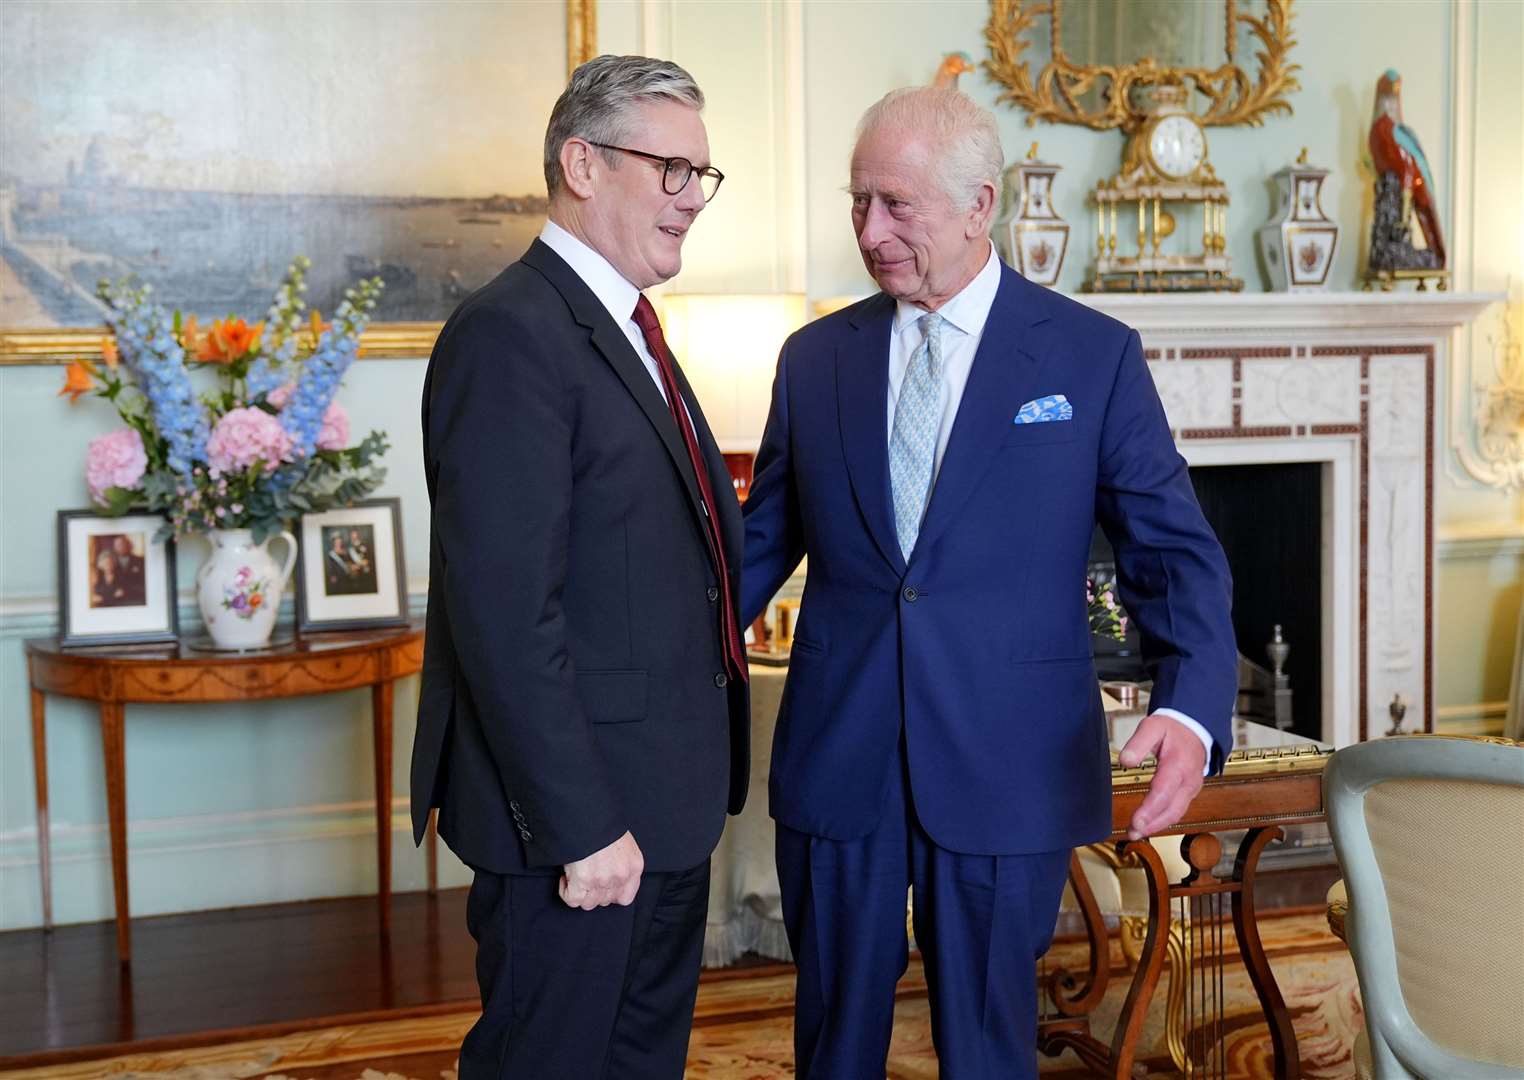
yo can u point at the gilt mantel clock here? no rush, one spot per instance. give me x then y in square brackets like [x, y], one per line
[1162, 73]
[1165, 188]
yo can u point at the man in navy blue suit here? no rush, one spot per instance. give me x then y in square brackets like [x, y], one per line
[941, 452]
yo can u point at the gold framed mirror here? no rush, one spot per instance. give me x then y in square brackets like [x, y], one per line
[1096, 60]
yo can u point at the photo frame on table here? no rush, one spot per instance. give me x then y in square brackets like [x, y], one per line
[116, 582]
[350, 572]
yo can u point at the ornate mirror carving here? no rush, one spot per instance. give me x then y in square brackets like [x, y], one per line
[1097, 61]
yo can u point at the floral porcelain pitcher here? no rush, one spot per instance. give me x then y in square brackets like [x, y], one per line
[239, 587]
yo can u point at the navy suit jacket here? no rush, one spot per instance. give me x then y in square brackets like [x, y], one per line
[572, 681]
[978, 651]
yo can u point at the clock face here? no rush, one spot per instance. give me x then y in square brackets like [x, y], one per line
[1177, 145]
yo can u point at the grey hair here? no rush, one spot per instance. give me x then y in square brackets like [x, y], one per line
[966, 140]
[599, 103]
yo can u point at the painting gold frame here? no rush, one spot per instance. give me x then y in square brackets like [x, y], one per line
[388, 341]
[1054, 93]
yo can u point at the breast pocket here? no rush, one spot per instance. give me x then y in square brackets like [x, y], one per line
[1043, 432]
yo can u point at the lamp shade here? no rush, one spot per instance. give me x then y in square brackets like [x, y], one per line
[728, 347]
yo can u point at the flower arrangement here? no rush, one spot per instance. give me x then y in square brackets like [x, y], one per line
[1107, 617]
[260, 443]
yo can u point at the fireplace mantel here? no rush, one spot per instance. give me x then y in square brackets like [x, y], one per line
[1381, 314]
[1354, 382]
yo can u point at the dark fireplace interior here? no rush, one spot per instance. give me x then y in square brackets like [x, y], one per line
[1269, 521]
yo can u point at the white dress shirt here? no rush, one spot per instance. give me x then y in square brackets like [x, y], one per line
[609, 286]
[962, 329]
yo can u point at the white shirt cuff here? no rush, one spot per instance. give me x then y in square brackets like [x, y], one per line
[1196, 730]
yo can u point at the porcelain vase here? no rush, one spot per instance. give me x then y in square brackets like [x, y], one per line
[239, 587]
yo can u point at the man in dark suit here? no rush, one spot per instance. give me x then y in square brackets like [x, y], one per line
[583, 715]
[942, 452]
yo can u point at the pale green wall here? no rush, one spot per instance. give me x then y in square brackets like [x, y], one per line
[251, 803]
[853, 52]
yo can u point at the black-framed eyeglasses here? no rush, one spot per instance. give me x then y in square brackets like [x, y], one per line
[677, 171]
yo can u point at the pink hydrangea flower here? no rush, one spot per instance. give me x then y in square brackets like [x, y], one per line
[280, 395]
[335, 433]
[114, 460]
[244, 436]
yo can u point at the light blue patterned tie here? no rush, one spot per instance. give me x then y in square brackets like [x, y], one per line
[913, 443]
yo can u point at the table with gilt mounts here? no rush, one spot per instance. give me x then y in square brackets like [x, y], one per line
[176, 672]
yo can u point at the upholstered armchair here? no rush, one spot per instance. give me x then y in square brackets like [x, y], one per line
[1427, 830]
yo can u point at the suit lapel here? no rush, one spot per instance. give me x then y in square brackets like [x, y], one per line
[862, 395]
[1007, 370]
[729, 510]
[610, 341]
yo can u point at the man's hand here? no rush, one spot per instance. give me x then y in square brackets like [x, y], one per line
[609, 876]
[1177, 778]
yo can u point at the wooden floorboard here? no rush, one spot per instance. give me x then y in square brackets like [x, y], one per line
[204, 976]
[241, 968]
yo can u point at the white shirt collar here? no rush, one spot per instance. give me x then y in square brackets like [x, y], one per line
[597, 273]
[968, 310]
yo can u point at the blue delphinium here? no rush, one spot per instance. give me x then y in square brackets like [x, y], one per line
[302, 415]
[283, 324]
[149, 347]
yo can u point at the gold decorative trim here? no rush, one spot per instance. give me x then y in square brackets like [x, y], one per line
[581, 33]
[1054, 94]
[23, 348]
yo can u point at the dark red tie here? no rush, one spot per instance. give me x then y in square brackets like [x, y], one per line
[650, 326]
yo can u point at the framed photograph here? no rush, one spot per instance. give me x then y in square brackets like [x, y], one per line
[116, 583]
[205, 180]
[350, 573]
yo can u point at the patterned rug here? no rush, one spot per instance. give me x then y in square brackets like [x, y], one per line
[743, 1030]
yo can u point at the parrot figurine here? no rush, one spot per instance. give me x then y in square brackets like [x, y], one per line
[953, 65]
[1394, 149]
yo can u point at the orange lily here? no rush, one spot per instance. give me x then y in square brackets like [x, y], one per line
[79, 379]
[189, 333]
[109, 353]
[229, 340]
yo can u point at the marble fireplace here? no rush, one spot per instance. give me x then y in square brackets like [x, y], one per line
[1351, 383]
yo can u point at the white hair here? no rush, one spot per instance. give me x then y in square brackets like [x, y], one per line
[600, 102]
[966, 140]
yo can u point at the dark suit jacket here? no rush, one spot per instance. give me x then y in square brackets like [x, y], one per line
[979, 649]
[570, 683]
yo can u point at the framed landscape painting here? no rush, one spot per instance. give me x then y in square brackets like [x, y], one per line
[200, 146]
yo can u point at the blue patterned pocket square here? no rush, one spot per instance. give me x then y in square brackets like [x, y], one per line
[1040, 410]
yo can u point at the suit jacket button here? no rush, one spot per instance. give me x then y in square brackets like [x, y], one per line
[910, 594]
[714, 594]
[721, 680]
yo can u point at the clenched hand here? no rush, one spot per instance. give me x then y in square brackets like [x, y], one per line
[608, 876]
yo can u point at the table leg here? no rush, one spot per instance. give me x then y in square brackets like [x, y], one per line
[381, 708]
[1074, 995]
[113, 746]
[433, 851]
[1124, 1042]
[40, 776]
[1072, 1033]
[1288, 1065]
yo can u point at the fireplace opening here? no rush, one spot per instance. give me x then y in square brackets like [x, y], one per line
[1268, 518]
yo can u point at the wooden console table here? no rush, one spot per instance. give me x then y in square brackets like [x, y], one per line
[112, 676]
[1274, 780]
